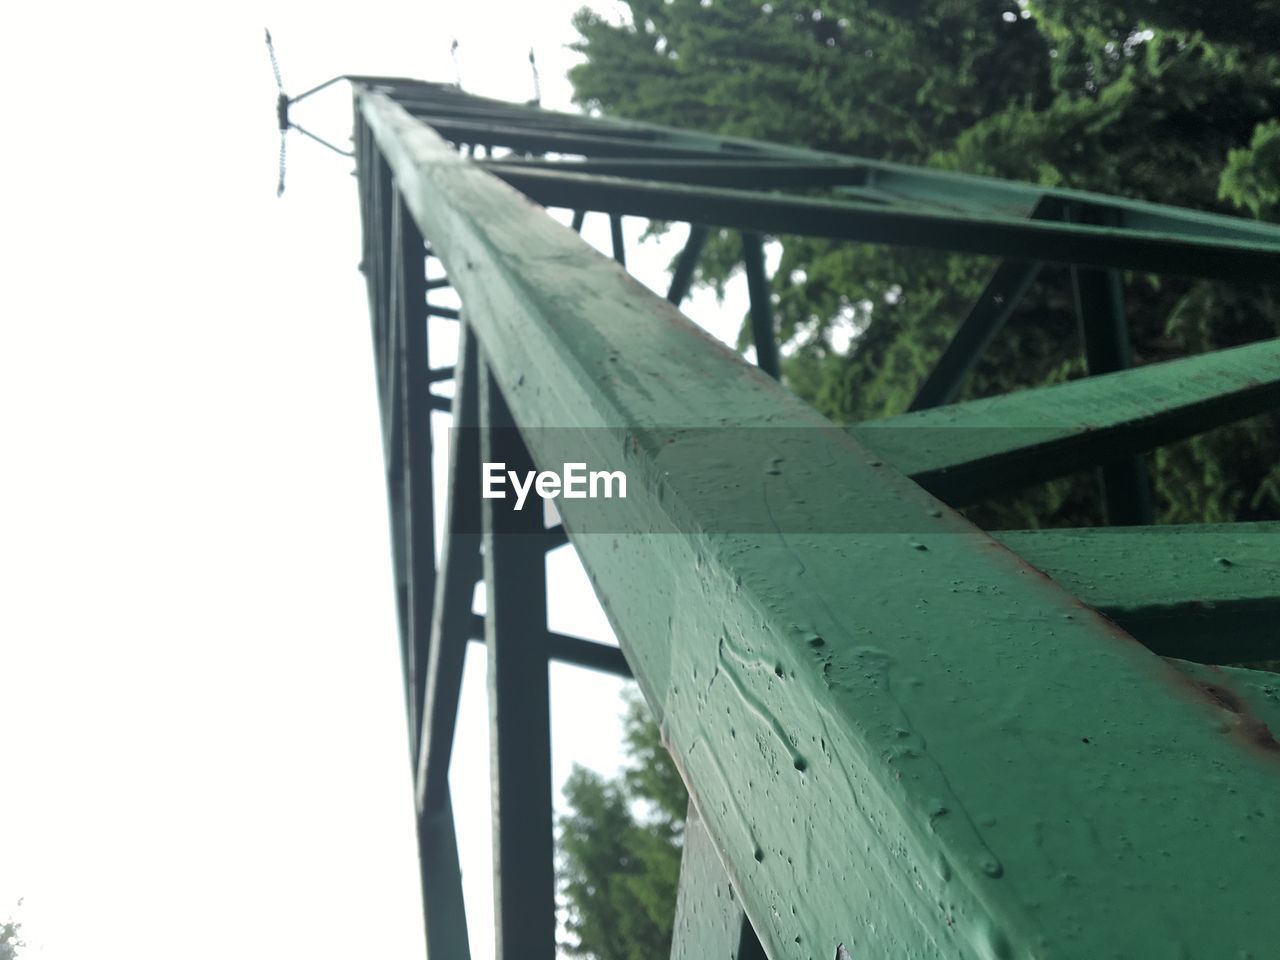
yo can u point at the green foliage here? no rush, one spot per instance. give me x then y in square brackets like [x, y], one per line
[10, 942]
[1171, 102]
[620, 850]
[1252, 175]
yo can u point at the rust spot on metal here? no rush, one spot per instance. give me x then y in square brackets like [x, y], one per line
[1223, 697]
[1248, 725]
[1245, 725]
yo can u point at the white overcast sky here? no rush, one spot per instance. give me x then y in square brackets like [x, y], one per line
[201, 731]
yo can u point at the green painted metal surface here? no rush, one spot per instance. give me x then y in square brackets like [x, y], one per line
[444, 911]
[415, 484]
[999, 299]
[519, 703]
[968, 451]
[452, 623]
[962, 231]
[1104, 332]
[1209, 593]
[394, 264]
[921, 185]
[911, 744]
[763, 335]
[565, 648]
[709, 922]
[682, 275]
[1249, 699]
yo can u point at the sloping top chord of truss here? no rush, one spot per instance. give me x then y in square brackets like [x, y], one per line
[902, 736]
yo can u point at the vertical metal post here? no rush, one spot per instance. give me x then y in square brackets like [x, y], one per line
[395, 442]
[382, 193]
[1104, 332]
[418, 496]
[615, 233]
[762, 331]
[519, 703]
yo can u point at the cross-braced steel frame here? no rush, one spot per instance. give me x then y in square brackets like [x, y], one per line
[901, 736]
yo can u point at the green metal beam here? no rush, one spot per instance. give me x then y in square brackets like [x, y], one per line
[1207, 593]
[720, 172]
[417, 495]
[955, 190]
[686, 264]
[1250, 699]
[619, 245]
[709, 923]
[442, 900]
[564, 648]
[460, 569]
[959, 232]
[763, 334]
[969, 451]
[1194, 612]
[395, 268]
[380, 267]
[1104, 333]
[382, 280]
[548, 140]
[438, 374]
[907, 772]
[999, 299]
[444, 909]
[519, 701]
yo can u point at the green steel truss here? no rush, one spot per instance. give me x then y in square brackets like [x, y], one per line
[902, 737]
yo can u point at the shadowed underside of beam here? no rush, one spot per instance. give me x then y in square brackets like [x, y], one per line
[1209, 593]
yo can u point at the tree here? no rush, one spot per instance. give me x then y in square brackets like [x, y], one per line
[620, 850]
[10, 942]
[1167, 102]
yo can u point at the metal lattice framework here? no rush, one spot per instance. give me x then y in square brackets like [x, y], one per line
[902, 736]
